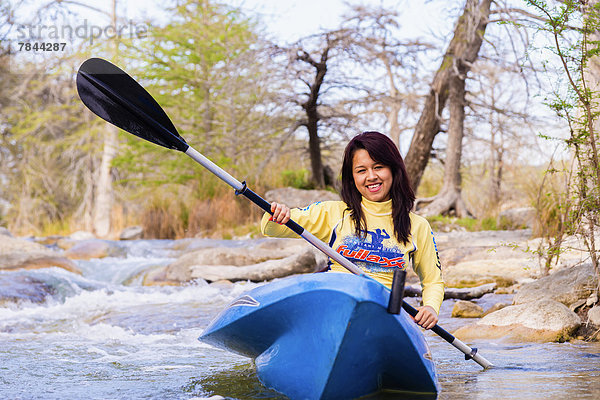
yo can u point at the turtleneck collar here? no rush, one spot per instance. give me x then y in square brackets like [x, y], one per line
[376, 207]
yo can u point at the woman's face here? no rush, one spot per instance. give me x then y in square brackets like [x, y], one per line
[372, 179]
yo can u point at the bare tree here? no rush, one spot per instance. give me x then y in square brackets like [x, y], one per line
[463, 49]
[449, 200]
[329, 48]
[310, 108]
[389, 66]
[503, 132]
[97, 204]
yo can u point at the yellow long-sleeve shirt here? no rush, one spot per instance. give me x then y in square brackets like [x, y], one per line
[379, 252]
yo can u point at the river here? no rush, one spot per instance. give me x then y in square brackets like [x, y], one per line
[103, 335]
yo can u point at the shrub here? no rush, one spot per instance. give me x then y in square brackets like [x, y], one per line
[299, 179]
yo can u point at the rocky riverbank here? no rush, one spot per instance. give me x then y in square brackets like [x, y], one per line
[558, 307]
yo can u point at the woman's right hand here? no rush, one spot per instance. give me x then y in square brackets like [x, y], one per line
[281, 213]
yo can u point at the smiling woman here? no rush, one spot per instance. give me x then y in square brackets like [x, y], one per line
[373, 226]
[372, 179]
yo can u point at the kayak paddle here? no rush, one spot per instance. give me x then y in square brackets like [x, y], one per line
[117, 98]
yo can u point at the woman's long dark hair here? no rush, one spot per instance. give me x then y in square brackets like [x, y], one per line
[382, 150]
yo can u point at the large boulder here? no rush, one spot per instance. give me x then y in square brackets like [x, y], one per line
[264, 271]
[23, 254]
[594, 316]
[93, 248]
[10, 244]
[543, 320]
[566, 286]
[17, 288]
[517, 218]
[481, 239]
[293, 197]
[503, 272]
[132, 233]
[466, 309]
[271, 259]
[476, 258]
[572, 250]
[36, 261]
[82, 235]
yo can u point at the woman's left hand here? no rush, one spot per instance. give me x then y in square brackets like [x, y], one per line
[426, 317]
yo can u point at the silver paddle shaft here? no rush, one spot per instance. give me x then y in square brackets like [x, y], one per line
[214, 168]
[468, 351]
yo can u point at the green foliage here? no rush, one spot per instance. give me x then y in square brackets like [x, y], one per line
[488, 224]
[573, 27]
[445, 223]
[47, 150]
[203, 69]
[207, 67]
[431, 182]
[299, 179]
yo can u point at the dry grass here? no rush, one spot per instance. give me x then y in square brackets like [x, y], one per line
[217, 217]
[162, 222]
[221, 215]
[517, 188]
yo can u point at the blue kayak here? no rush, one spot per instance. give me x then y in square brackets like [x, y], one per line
[325, 336]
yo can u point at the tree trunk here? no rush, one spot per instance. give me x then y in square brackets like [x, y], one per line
[86, 210]
[465, 45]
[496, 170]
[449, 200]
[103, 204]
[496, 163]
[312, 114]
[104, 187]
[393, 120]
[395, 104]
[314, 146]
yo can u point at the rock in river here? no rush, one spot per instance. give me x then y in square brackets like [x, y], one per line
[15, 288]
[93, 248]
[132, 233]
[261, 263]
[469, 293]
[267, 270]
[22, 254]
[466, 309]
[566, 286]
[543, 320]
[594, 316]
[477, 258]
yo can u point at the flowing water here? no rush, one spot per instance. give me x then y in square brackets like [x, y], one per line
[103, 335]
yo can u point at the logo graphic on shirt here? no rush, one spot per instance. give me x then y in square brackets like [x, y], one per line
[310, 205]
[437, 254]
[372, 255]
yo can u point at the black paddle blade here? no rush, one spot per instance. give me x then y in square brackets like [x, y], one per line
[117, 98]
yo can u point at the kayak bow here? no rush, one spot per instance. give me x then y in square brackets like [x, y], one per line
[325, 336]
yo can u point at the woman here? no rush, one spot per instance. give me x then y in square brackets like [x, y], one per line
[373, 226]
